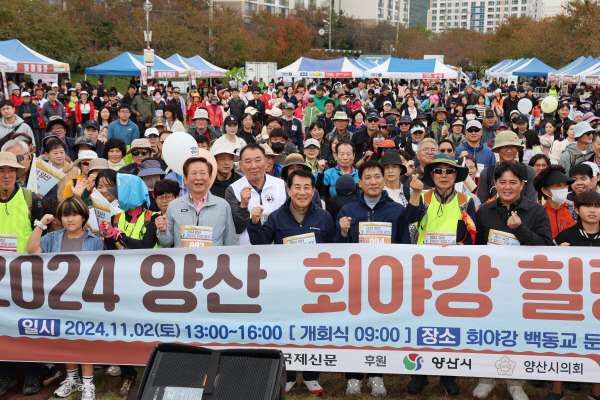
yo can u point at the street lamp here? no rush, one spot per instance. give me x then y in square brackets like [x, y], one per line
[148, 34]
[329, 23]
[210, 19]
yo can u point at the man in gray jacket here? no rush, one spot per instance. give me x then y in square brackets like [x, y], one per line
[53, 108]
[11, 123]
[206, 219]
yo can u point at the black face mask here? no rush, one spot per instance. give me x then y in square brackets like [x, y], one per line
[514, 120]
[277, 147]
[144, 93]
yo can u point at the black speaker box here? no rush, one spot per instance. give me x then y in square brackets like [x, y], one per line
[182, 372]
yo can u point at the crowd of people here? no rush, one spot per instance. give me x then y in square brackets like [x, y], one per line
[427, 163]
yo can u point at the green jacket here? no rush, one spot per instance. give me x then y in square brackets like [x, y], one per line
[309, 115]
[320, 102]
[143, 106]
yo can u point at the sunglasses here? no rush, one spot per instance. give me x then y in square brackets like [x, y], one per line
[140, 152]
[85, 162]
[20, 158]
[440, 171]
[404, 123]
[473, 130]
[449, 151]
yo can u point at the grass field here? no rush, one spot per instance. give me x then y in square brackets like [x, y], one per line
[335, 386]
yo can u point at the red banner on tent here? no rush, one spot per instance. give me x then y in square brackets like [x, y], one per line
[35, 68]
[338, 74]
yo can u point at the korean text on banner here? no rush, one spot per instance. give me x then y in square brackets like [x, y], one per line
[531, 313]
[43, 177]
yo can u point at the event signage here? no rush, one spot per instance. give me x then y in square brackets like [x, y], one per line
[531, 313]
[35, 68]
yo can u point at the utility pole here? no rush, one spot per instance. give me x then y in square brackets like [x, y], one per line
[148, 9]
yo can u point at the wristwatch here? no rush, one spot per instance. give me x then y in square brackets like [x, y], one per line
[40, 225]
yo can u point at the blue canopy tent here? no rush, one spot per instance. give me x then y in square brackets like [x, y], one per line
[311, 68]
[553, 77]
[572, 75]
[402, 68]
[498, 66]
[201, 67]
[533, 67]
[128, 64]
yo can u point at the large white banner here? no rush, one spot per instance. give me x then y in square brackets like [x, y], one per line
[495, 311]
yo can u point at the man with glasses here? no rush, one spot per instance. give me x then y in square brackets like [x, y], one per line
[141, 149]
[582, 149]
[360, 139]
[257, 103]
[475, 148]
[21, 150]
[426, 149]
[123, 128]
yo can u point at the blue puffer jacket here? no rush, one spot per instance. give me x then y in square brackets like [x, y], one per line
[386, 210]
[281, 224]
[483, 154]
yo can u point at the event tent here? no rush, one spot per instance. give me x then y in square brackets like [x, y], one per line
[15, 57]
[553, 77]
[505, 70]
[401, 68]
[203, 68]
[500, 65]
[573, 75]
[533, 67]
[591, 74]
[132, 65]
[311, 68]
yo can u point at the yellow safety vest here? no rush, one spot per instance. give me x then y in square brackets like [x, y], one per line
[14, 219]
[134, 231]
[447, 222]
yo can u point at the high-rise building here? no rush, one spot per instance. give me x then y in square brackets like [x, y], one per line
[479, 15]
[370, 12]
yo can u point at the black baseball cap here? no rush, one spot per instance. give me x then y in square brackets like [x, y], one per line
[230, 119]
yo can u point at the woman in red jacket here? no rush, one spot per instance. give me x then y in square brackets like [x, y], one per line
[194, 104]
[215, 113]
[84, 111]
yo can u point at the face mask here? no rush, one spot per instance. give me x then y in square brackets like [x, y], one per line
[470, 117]
[514, 120]
[278, 147]
[587, 106]
[559, 196]
[157, 97]
[343, 102]
[144, 93]
[455, 96]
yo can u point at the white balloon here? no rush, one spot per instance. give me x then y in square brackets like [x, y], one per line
[178, 147]
[524, 106]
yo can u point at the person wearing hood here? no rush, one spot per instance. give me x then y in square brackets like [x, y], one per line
[474, 147]
[553, 185]
[11, 123]
[581, 150]
[134, 227]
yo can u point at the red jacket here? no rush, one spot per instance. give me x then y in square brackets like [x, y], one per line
[78, 111]
[559, 219]
[15, 99]
[216, 118]
[192, 110]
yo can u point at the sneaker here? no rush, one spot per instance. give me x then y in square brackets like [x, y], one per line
[517, 392]
[483, 390]
[554, 396]
[314, 388]
[126, 385]
[353, 387]
[417, 384]
[289, 386]
[113, 370]
[377, 386]
[6, 383]
[574, 386]
[68, 387]
[31, 385]
[50, 375]
[88, 392]
[450, 386]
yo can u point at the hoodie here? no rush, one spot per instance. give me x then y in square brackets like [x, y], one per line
[19, 126]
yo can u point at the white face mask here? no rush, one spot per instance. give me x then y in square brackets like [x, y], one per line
[470, 117]
[559, 196]
[158, 97]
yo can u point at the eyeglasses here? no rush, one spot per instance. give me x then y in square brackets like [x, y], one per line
[373, 120]
[430, 151]
[473, 130]
[125, 111]
[85, 162]
[165, 197]
[440, 171]
[449, 151]
[140, 152]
